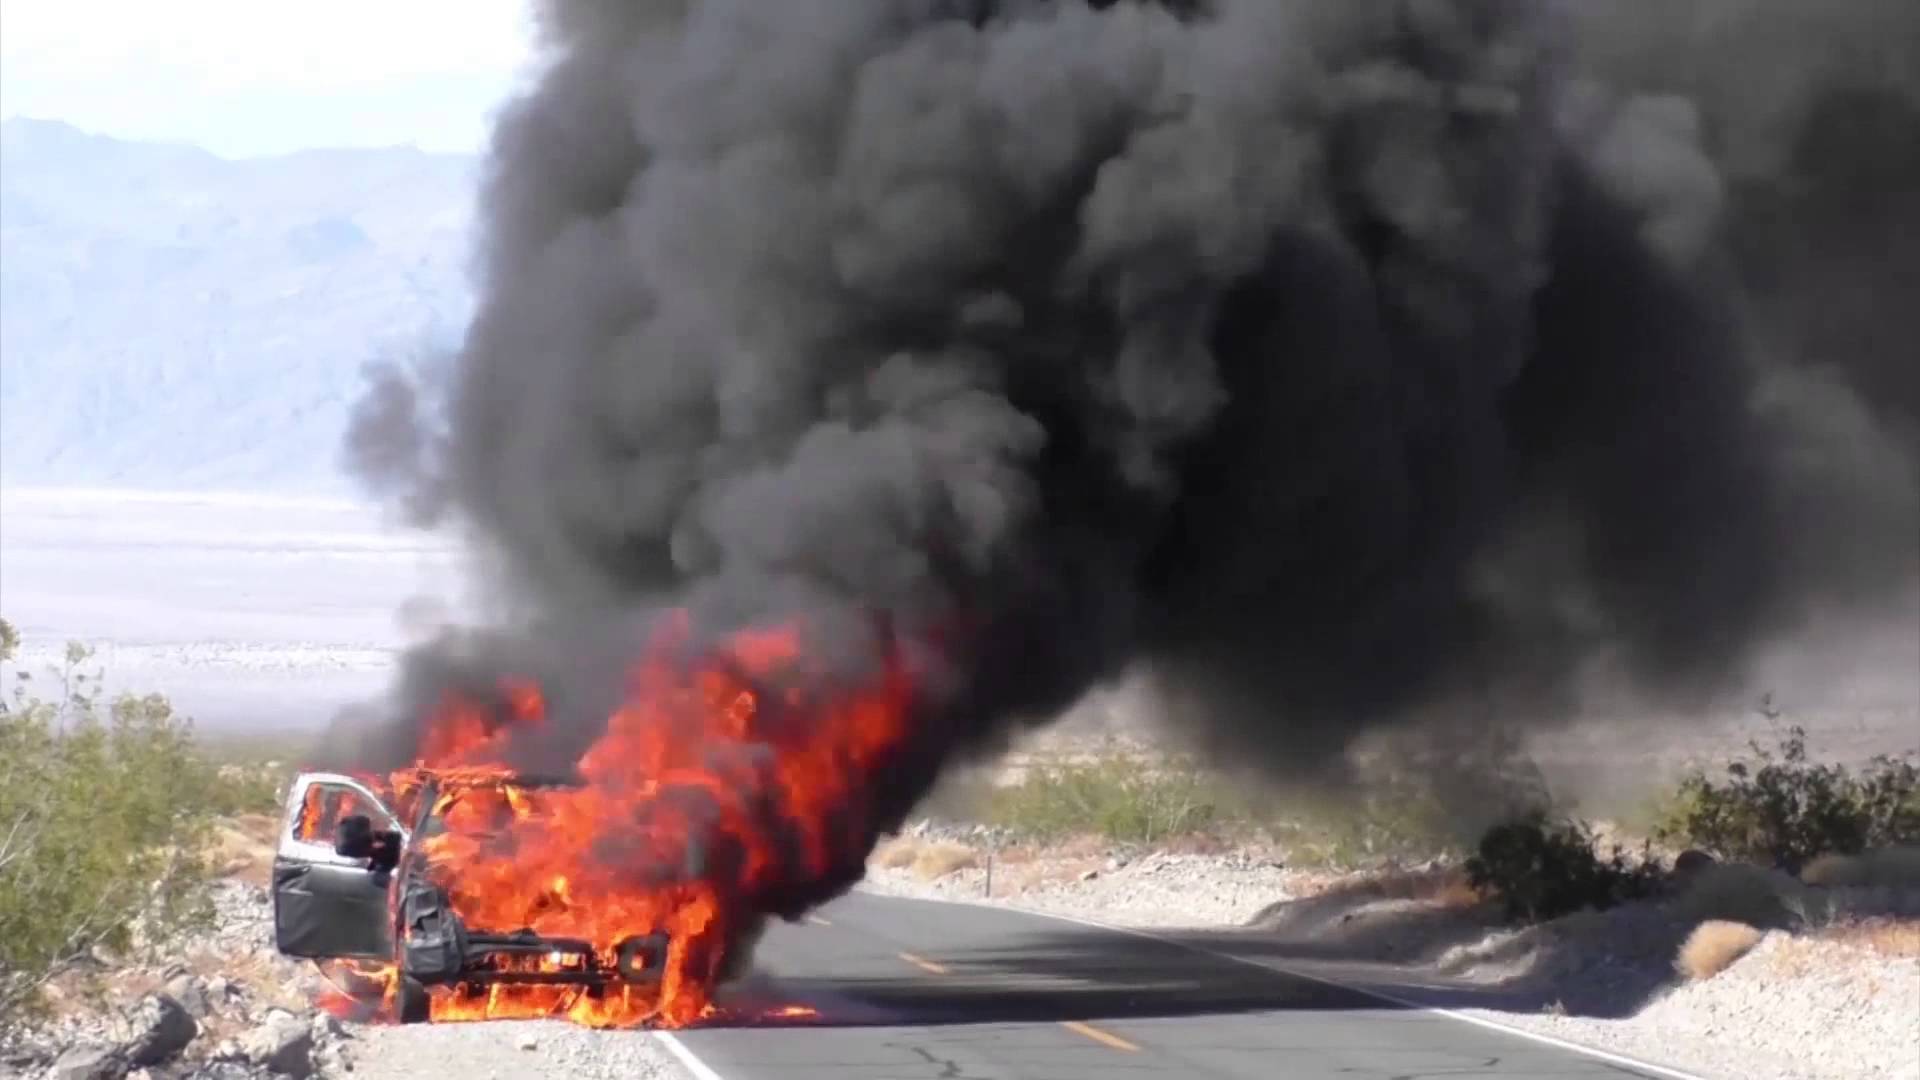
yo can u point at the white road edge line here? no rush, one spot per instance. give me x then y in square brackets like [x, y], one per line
[1377, 995]
[700, 1069]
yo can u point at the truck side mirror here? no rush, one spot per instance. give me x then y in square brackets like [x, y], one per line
[385, 853]
[353, 836]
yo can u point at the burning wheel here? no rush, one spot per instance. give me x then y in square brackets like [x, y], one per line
[411, 1002]
[739, 957]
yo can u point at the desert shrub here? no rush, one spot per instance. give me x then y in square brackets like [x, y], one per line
[963, 794]
[1784, 809]
[1414, 803]
[1391, 821]
[248, 789]
[1541, 868]
[256, 767]
[1121, 797]
[1743, 892]
[105, 811]
[1419, 797]
[1713, 947]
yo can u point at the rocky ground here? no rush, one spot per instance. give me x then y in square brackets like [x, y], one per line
[219, 1004]
[1837, 997]
[224, 1005]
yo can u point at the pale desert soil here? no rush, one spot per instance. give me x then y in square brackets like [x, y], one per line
[519, 1050]
[1150, 888]
[1793, 1007]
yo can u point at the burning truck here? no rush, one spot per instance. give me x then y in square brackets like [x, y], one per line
[376, 893]
[620, 893]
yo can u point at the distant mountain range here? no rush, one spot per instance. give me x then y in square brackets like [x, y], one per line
[170, 319]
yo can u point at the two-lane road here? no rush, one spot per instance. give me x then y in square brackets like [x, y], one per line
[923, 990]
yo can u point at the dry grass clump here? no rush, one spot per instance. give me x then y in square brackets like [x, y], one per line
[1454, 892]
[1887, 868]
[1713, 947]
[1448, 889]
[927, 859]
[938, 860]
[896, 854]
[1888, 937]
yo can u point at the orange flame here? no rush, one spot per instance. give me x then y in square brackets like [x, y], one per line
[312, 809]
[720, 779]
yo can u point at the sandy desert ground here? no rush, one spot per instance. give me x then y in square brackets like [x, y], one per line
[265, 612]
[251, 612]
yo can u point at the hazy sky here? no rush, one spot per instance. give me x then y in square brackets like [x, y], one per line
[244, 77]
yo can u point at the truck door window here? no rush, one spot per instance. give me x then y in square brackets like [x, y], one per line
[324, 806]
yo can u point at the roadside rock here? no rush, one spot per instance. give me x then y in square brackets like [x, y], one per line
[89, 1063]
[1691, 861]
[326, 1028]
[191, 992]
[162, 1028]
[284, 1045]
[223, 1070]
[331, 1060]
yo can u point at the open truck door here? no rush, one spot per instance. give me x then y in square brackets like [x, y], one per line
[339, 844]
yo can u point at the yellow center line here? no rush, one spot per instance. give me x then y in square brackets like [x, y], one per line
[818, 921]
[1105, 1037]
[924, 965]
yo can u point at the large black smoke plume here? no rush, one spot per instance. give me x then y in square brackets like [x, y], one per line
[1347, 363]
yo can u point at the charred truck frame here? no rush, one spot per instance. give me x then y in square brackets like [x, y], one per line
[365, 894]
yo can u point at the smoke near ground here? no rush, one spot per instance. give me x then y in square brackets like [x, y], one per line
[1344, 365]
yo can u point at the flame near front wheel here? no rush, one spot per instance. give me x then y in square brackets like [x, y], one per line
[729, 780]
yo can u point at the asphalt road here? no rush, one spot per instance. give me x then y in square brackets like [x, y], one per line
[922, 990]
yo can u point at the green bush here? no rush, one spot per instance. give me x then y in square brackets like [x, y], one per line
[1120, 797]
[1392, 818]
[104, 812]
[1417, 803]
[1540, 868]
[1424, 796]
[1783, 809]
[253, 771]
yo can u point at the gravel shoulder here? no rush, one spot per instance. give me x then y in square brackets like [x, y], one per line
[1151, 889]
[518, 1050]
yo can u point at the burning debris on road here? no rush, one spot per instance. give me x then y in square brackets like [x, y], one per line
[1348, 365]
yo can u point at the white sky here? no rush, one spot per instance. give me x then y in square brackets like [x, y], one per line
[244, 77]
